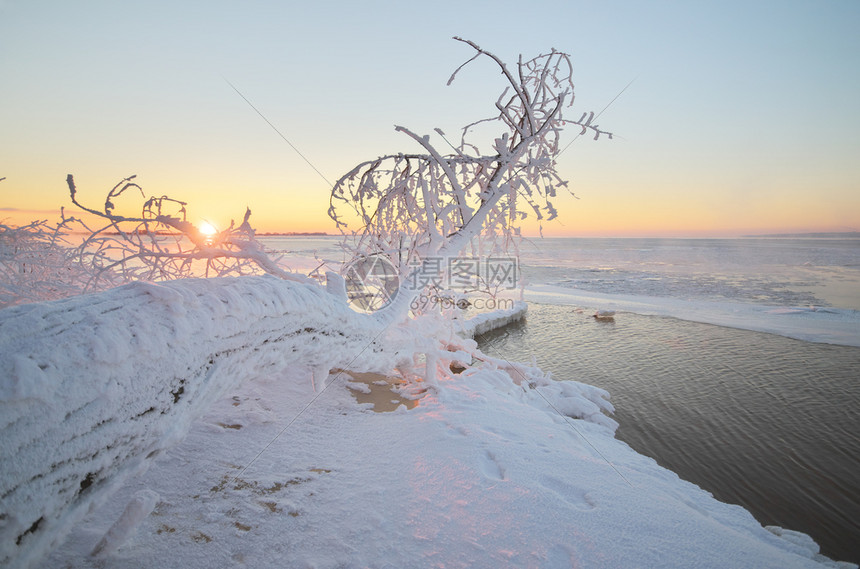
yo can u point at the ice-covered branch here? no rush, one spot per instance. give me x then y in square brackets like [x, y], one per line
[37, 263]
[517, 86]
[459, 194]
[161, 244]
[412, 207]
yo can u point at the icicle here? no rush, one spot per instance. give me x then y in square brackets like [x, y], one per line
[430, 369]
[135, 512]
[319, 375]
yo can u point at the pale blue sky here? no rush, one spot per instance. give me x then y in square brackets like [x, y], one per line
[743, 116]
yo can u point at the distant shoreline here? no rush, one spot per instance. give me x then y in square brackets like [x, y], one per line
[811, 235]
[295, 234]
[820, 235]
[174, 233]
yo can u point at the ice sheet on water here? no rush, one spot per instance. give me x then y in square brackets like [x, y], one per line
[780, 272]
[830, 325]
[756, 289]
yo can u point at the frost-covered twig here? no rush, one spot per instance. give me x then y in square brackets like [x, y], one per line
[36, 264]
[414, 207]
[161, 244]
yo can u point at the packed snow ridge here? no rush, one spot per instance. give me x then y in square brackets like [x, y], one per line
[203, 423]
[484, 322]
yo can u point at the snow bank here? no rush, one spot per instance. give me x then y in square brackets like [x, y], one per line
[482, 473]
[811, 324]
[93, 387]
[486, 321]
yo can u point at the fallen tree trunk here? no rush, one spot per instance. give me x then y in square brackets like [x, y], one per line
[92, 388]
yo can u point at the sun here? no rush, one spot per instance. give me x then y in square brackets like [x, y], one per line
[207, 228]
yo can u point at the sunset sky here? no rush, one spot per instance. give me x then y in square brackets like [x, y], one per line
[742, 117]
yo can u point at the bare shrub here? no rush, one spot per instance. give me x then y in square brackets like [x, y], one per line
[161, 244]
[37, 263]
[41, 261]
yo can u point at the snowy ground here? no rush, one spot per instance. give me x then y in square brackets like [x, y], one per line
[488, 470]
[482, 473]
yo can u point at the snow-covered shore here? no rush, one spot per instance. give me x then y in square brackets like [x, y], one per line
[481, 473]
[282, 470]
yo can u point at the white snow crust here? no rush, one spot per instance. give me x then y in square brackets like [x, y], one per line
[220, 401]
[485, 321]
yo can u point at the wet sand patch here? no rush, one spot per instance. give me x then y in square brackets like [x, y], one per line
[377, 389]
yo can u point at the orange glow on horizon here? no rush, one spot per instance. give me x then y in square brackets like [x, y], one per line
[600, 211]
[305, 220]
